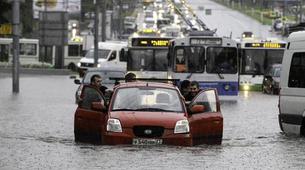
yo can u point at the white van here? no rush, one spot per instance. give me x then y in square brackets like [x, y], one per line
[108, 56]
[292, 86]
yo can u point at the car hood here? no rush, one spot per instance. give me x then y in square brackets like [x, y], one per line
[129, 119]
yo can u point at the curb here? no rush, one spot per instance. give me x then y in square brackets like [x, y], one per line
[39, 71]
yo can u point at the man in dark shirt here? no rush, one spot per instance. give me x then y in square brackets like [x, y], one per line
[194, 90]
[96, 80]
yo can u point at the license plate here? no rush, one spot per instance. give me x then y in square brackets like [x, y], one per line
[143, 141]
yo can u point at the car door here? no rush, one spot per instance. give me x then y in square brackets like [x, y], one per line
[206, 124]
[90, 115]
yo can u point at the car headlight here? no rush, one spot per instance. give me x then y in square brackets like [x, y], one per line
[78, 64]
[98, 65]
[114, 125]
[182, 126]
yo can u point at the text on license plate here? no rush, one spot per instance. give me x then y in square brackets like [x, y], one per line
[141, 141]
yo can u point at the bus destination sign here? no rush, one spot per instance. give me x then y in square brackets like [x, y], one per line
[150, 42]
[266, 45]
[205, 41]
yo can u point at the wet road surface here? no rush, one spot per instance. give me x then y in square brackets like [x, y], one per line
[36, 132]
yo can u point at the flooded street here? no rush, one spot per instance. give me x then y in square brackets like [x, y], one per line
[36, 132]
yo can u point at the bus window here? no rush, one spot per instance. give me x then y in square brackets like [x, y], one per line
[28, 49]
[4, 52]
[147, 60]
[75, 50]
[222, 60]
[161, 61]
[253, 62]
[189, 59]
[180, 61]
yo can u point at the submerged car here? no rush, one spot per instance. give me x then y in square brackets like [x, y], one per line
[148, 113]
[271, 81]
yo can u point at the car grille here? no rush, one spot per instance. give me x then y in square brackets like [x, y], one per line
[148, 131]
[86, 64]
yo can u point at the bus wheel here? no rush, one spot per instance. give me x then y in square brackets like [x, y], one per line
[72, 67]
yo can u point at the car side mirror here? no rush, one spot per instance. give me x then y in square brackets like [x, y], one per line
[197, 109]
[77, 81]
[98, 106]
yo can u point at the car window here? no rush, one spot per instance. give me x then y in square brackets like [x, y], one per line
[105, 74]
[297, 71]
[147, 99]
[207, 99]
[88, 96]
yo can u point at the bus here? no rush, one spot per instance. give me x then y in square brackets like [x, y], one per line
[147, 57]
[29, 51]
[211, 61]
[32, 53]
[255, 56]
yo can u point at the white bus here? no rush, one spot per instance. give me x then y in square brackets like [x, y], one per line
[255, 57]
[147, 57]
[32, 53]
[29, 51]
[211, 61]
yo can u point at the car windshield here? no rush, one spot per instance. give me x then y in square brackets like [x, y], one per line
[102, 53]
[105, 74]
[147, 99]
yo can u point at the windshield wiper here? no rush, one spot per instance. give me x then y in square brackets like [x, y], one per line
[189, 76]
[219, 74]
[125, 109]
[151, 109]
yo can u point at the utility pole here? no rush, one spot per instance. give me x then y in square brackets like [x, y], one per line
[103, 3]
[301, 10]
[96, 23]
[16, 22]
[120, 19]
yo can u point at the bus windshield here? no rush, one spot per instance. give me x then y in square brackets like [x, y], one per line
[147, 60]
[101, 53]
[256, 61]
[189, 59]
[222, 60]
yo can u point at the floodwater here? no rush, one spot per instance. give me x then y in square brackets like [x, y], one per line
[36, 132]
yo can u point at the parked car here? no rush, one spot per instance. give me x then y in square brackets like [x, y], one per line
[271, 81]
[292, 92]
[105, 73]
[148, 113]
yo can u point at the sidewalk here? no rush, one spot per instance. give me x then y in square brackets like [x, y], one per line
[38, 71]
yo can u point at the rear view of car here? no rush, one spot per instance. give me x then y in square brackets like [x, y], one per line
[292, 86]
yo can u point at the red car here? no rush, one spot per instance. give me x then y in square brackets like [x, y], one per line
[147, 113]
